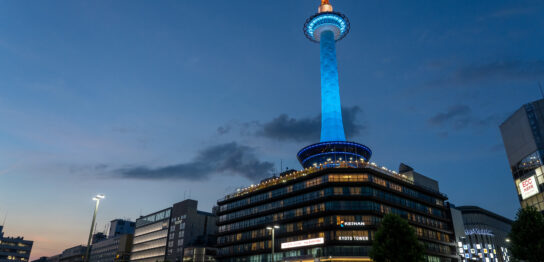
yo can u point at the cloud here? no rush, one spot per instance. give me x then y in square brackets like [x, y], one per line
[306, 129]
[460, 117]
[229, 158]
[515, 70]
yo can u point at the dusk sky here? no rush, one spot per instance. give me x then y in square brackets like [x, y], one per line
[149, 102]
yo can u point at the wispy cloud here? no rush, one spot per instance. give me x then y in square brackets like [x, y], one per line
[229, 158]
[305, 129]
[459, 117]
[516, 70]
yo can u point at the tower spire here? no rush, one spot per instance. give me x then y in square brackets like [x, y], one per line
[325, 6]
[326, 28]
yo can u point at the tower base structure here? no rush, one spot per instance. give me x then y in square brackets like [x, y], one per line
[332, 153]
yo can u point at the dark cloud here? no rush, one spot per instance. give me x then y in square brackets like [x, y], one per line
[461, 116]
[502, 70]
[285, 128]
[230, 158]
[498, 70]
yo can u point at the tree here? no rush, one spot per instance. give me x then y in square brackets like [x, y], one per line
[396, 241]
[527, 235]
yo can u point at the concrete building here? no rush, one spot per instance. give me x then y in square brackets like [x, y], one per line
[523, 137]
[73, 254]
[14, 248]
[121, 227]
[117, 248]
[199, 254]
[480, 234]
[163, 235]
[118, 244]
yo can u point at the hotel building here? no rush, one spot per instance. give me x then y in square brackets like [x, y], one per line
[330, 210]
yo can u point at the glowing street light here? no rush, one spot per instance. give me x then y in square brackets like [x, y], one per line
[273, 229]
[97, 198]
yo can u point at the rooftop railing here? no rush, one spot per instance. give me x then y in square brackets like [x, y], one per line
[332, 164]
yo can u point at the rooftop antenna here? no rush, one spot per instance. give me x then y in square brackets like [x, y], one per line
[281, 166]
[540, 88]
[5, 217]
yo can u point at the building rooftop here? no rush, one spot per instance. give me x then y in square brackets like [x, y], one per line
[285, 177]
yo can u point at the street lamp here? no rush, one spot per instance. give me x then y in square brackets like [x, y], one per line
[97, 198]
[273, 229]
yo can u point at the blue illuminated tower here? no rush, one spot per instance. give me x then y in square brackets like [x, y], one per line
[326, 27]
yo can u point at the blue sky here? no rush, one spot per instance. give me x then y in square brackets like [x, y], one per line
[95, 94]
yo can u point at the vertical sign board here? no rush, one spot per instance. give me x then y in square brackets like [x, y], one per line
[528, 187]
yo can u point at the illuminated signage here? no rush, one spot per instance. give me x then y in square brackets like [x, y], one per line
[303, 243]
[351, 223]
[528, 187]
[479, 231]
[353, 238]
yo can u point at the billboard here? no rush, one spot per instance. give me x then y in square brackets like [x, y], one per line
[528, 187]
[303, 243]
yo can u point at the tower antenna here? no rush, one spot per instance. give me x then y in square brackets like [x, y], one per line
[5, 217]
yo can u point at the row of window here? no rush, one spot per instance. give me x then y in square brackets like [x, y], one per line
[165, 214]
[308, 210]
[338, 235]
[337, 191]
[341, 221]
[329, 178]
[431, 234]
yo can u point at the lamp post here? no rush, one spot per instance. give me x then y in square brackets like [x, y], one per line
[97, 198]
[273, 229]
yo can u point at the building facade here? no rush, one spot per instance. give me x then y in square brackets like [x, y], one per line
[330, 213]
[199, 254]
[14, 248]
[118, 244]
[481, 234]
[116, 248]
[121, 227]
[73, 254]
[522, 134]
[163, 235]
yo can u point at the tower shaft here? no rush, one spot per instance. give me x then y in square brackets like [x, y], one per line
[332, 128]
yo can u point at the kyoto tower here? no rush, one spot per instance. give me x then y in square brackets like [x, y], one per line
[326, 28]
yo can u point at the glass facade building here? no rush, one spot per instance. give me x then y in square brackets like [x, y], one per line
[330, 212]
[522, 134]
[480, 234]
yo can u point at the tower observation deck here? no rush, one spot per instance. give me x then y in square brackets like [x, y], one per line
[326, 28]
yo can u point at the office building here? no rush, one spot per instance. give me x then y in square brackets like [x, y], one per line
[522, 134]
[121, 227]
[73, 254]
[481, 234]
[14, 248]
[199, 254]
[163, 235]
[118, 244]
